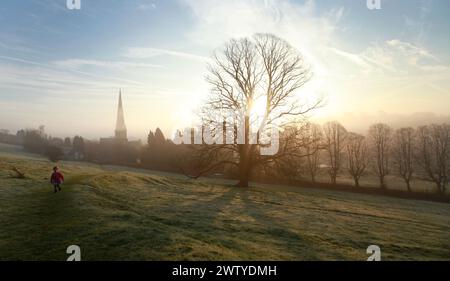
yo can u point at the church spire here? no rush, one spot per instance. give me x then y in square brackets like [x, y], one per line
[121, 129]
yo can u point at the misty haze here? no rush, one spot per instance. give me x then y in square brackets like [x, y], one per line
[206, 130]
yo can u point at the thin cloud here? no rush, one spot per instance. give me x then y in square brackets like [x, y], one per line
[78, 63]
[58, 68]
[145, 53]
[21, 49]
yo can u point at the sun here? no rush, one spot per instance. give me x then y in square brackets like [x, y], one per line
[258, 109]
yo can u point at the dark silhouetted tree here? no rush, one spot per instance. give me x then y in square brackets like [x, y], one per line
[150, 138]
[380, 136]
[54, 153]
[313, 145]
[434, 153]
[78, 145]
[263, 68]
[160, 153]
[356, 156]
[403, 152]
[34, 141]
[334, 141]
[67, 142]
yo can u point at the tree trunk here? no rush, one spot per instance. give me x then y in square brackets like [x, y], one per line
[244, 173]
[243, 182]
[408, 186]
[382, 183]
[333, 178]
[244, 156]
[244, 165]
[438, 185]
[356, 182]
[443, 180]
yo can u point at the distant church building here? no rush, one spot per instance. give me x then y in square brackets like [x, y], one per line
[120, 133]
[121, 128]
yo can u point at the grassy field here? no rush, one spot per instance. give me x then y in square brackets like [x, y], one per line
[115, 214]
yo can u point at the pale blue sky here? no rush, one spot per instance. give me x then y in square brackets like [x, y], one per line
[63, 67]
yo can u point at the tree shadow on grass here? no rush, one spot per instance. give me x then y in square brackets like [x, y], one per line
[294, 244]
[188, 232]
[221, 221]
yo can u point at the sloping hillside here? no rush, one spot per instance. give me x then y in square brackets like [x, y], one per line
[134, 215]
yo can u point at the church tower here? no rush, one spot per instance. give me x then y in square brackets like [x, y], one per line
[121, 129]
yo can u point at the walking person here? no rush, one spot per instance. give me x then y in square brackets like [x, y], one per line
[56, 179]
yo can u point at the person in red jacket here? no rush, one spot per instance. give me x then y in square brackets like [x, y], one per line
[56, 179]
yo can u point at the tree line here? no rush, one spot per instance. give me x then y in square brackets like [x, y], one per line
[268, 70]
[422, 152]
[313, 150]
[308, 151]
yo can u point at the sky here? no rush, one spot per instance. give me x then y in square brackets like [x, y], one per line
[63, 68]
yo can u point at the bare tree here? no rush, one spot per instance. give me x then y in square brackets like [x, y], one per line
[299, 145]
[313, 137]
[265, 69]
[380, 136]
[356, 156]
[433, 153]
[403, 153]
[335, 136]
[289, 166]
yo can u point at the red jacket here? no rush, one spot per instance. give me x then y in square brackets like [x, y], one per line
[57, 178]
